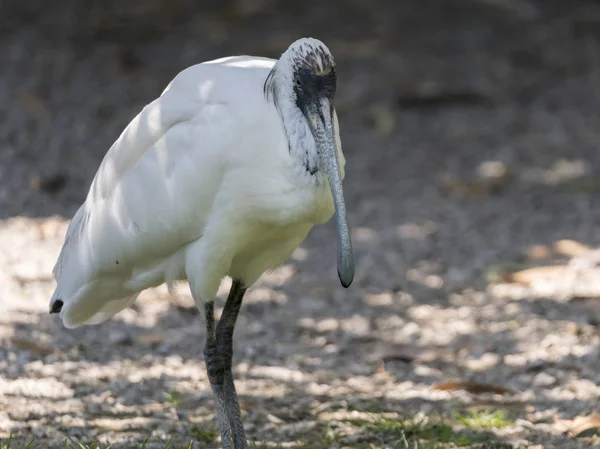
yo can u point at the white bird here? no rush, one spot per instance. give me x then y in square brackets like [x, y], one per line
[223, 175]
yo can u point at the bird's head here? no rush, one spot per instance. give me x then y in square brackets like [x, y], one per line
[302, 85]
[305, 74]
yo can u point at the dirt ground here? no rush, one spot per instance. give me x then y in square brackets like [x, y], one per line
[471, 131]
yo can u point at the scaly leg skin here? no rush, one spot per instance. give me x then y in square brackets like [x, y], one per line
[225, 330]
[218, 352]
[214, 369]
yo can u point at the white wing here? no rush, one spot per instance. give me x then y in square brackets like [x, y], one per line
[155, 187]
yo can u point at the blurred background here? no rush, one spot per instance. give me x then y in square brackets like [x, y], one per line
[471, 132]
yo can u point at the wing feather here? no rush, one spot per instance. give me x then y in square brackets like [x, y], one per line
[150, 197]
[155, 189]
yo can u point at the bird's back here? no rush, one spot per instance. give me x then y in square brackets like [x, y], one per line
[155, 188]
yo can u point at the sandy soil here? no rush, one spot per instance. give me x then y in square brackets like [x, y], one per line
[471, 133]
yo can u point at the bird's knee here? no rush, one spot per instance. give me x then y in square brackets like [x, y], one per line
[216, 365]
[215, 369]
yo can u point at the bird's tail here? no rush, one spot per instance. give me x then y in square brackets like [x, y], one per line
[93, 303]
[62, 272]
[82, 296]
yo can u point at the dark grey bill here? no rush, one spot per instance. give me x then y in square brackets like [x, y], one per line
[321, 123]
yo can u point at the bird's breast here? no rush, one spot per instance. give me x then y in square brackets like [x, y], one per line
[307, 201]
[322, 207]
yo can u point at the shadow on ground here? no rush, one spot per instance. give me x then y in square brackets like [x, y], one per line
[470, 130]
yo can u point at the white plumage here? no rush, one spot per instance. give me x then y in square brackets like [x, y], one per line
[223, 175]
[200, 185]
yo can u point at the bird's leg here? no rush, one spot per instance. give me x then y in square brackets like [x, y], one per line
[224, 332]
[215, 368]
[218, 353]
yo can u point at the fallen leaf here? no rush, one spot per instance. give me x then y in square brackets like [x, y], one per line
[32, 103]
[465, 188]
[414, 354]
[274, 419]
[538, 252]
[170, 336]
[49, 184]
[531, 275]
[381, 371]
[578, 425]
[500, 272]
[571, 248]
[490, 178]
[32, 346]
[119, 425]
[471, 387]
[472, 188]
[155, 338]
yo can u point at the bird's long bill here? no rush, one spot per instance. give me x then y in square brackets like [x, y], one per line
[321, 122]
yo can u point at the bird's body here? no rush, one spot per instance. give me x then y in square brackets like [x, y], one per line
[223, 175]
[180, 195]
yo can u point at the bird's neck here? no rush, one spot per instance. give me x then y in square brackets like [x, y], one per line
[301, 144]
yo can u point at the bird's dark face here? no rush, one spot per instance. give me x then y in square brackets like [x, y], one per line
[310, 86]
[314, 79]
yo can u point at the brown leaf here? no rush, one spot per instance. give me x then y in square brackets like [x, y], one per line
[490, 178]
[381, 369]
[576, 426]
[472, 188]
[538, 252]
[119, 425]
[32, 103]
[155, 338]
[501, 272]
[571, 248]
[32, 346]
[49, 184]
[412, 354]
[471, 387]
[170, 336]
[531, 275]
[465, 188]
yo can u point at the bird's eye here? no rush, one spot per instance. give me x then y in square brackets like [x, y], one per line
[298, 82]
